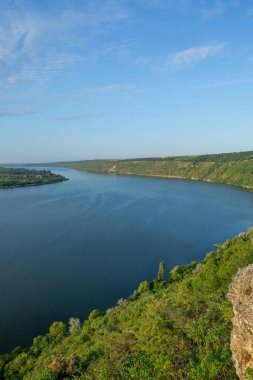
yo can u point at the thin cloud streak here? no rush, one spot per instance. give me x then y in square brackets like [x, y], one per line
[10, 113]
[235, 82]
[68, 119]
[124, 89]
[193, 55]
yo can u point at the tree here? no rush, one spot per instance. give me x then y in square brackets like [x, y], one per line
[143, 287]
[160, 274]
[74, 326]
[57, 330]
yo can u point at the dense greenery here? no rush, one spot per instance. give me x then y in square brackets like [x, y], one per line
[174, 329]
[10, 177]
[229, 168]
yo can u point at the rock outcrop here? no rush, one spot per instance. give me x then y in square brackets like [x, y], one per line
[241, 296]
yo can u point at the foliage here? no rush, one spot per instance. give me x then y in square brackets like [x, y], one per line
[176, 329]
[249, 374]
[180, 271]
[74, 326]
[160, 274]
[10, 177]
[57, 331]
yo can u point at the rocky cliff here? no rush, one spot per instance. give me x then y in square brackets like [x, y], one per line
[241, 296]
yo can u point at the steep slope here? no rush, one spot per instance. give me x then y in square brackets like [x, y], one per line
[176, 329]
[228, 168]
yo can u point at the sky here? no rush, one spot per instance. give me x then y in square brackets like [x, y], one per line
[84, 79]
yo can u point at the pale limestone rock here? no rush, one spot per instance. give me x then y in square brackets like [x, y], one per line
[240, 295]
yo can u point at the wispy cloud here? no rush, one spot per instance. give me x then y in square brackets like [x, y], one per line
[194, 55]
[226, 83]
[19, 112]
[68, 119]
[205, 8]
[97, 14]
[123, 89]
[40, 73]
[36, 46]
[144, 61]
[119, 49]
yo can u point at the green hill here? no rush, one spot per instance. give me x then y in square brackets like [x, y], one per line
[176, 328]
[228, 168]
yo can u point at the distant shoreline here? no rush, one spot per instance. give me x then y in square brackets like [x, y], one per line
[234, 169]
[11, 178]
[192, 179]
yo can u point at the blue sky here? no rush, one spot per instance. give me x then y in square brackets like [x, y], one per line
[84, 79]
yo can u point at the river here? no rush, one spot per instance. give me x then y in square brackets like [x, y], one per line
[70, 247]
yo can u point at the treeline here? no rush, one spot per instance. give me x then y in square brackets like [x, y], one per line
[218, 157]
[177, 326]
[15, 177]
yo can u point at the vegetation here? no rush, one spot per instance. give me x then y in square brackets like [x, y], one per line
[174, 329]
[10, 177]
[161, 270]
[228, 168]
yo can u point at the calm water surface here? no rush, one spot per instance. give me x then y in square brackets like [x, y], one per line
[68, 248]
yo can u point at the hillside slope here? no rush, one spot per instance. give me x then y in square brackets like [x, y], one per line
[176, 329]
[228, 168]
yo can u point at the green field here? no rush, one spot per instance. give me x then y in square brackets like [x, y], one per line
[10, 177]
[228, 168]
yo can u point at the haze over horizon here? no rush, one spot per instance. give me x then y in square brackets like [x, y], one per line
[121, 79]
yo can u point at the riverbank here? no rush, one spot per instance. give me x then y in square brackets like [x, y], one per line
[234, 169]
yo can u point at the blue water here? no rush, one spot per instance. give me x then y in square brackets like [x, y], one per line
[70, 247]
